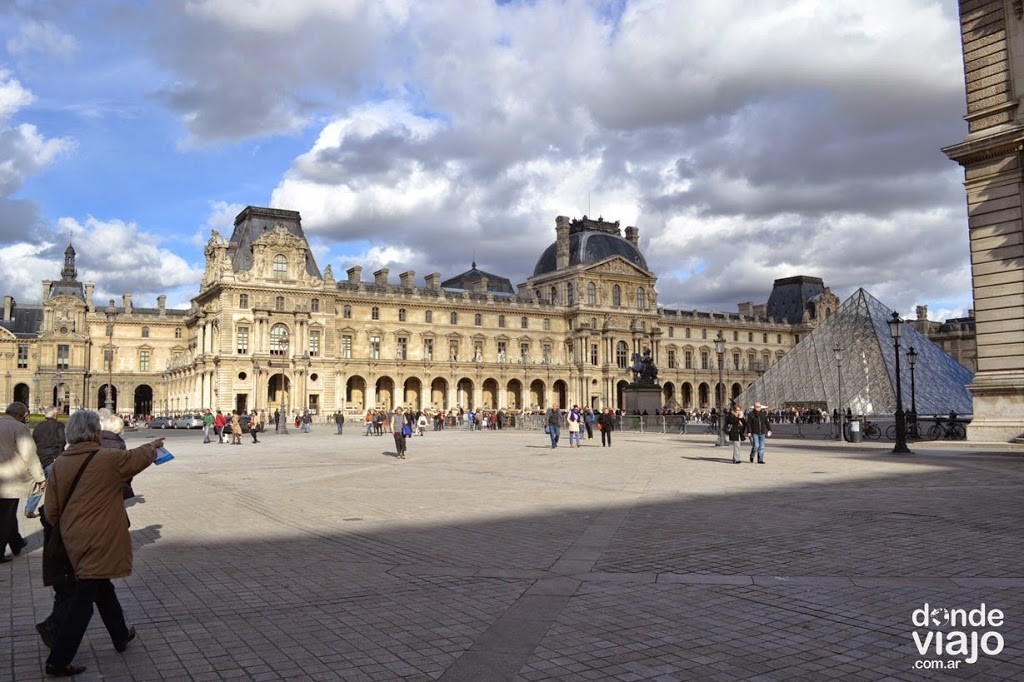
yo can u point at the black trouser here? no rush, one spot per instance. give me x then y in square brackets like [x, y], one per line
[606, 437]
[8, 523]
[79, 613]
[400, 442]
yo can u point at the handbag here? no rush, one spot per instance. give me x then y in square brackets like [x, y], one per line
[57, 566]
[406, 429]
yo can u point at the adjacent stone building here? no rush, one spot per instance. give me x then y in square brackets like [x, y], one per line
[268, 330]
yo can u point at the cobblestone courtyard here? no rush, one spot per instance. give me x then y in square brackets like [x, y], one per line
[490, 556]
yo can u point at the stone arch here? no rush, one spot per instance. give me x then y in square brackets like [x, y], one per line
[537, 395]
[560, 394]
[439, 394]
[385, 392]
[490, 400]
[735, 391]
[412, 393]
[620, 395]
[704, 396]
[687, 395]
[514, 394]
[464, 393]
[144, 399]
[355, 392]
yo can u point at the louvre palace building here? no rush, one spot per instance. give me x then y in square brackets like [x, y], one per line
[268, 329]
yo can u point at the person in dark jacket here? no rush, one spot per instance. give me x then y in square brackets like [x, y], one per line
[759, 429]
[735, 428]
[49, 438]
[606, 423]
[111, 427]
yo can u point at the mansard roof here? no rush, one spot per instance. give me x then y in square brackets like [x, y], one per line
[790, 296]
[468, 280]
[255, 221]
[25, 321]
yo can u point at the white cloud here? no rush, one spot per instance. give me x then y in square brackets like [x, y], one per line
[42, 36]
[13, 96]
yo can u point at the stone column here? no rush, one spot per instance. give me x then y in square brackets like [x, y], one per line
[991, 155]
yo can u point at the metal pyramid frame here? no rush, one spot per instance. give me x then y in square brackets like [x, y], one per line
[810, 374]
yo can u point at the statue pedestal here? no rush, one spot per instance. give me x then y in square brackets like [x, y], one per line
[640, 398]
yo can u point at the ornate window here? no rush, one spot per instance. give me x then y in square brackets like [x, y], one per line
[145, 332]
[554, 294]
[546, 353]
[735, 360]
[401, 314]
[703, 333]
[735, 336]
[524, 352]
[591, 294]
[346, 346]
[621, 351]
[671, 358]
[280, 266]
[279, 303]
[671, 332]
[616, 296]
[314, 305]
[278, 339]
[750, 337]
[346, 312]
[402, 352]
[428, 349]
[478, 319]
[641, 299]
[593, 353]
[453, 350]
[570, 294]
[478, 351]
[688, 332]
[547, 324]
[428, 316]
[375, 347]
[22, 356]
[177, 332]
[314, 343]
[764, 337]
[502, 350]
[143, 360]
[778, 338]
[704, 364]
[242, 345]
[375, 313]
[453, 317]
[688, 359]
[501, 321]
[243, 300]
[524, 322]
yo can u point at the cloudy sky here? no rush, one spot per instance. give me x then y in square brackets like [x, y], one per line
[747, 139]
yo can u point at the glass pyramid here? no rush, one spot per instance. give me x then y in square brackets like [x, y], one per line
[809, 375]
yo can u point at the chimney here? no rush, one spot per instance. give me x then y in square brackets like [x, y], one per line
[8, 307]
[746, 309]
[161, 304]
[761, 310]
[970, 312]
[46, 288]
[355, 274]
[126, 300]
[433, 281]
[406, 278]
[380, 278]
[633, 236]
[922, 312]
[561, 242]
[89, 287]
[481, 286]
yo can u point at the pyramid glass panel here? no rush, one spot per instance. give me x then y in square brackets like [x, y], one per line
[809, 375]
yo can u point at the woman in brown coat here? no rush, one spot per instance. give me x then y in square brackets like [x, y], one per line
[94, 526]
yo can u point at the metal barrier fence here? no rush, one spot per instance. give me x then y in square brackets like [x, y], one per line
[672, 423]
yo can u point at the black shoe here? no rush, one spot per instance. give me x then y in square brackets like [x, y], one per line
[45, 634]
[120, 647]
[17, 545]
[760, 461]
[4, 559]
[68, 670]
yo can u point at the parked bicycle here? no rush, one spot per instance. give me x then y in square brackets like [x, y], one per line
[913, 431]
[947, 430]
[871, 430]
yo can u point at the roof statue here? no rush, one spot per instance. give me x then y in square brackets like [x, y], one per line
[810, 373]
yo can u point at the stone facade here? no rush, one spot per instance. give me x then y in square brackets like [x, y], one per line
[993, 51]
[269, 330]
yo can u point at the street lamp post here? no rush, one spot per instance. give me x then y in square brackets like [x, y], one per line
[896, 331]
[912, 359]
[720, 390]
[839, 373]
[111, 313]
[7, 390]
[282, 423]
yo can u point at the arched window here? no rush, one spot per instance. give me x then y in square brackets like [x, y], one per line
[478, 319]
[524, 322]
[621, 350]
[591, 294]
[374, 313]
[428, 316]
[453, 317]
[177, 332]
[145, 332]
[641, 299]
[346, 312]
[243, 300]
[401, 314]
[570, 294]
[501, 320]
[280, 266]
[278, 339]
[279, 303]
[616, 295]
[554, 295]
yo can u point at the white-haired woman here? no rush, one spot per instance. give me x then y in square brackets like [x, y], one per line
[94, 526]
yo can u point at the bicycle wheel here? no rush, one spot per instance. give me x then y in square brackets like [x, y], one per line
[934, 432]
[890, 432]
[871, 432]
[957, 432]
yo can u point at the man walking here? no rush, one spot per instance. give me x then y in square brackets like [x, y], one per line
[207, 424]
[49, 439]
[339, 421]
[21, 474]
[759, 429]
[555, 421]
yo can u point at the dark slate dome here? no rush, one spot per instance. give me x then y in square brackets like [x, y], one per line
[589, 246]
